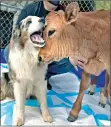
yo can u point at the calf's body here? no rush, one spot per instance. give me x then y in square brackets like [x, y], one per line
[79, 35]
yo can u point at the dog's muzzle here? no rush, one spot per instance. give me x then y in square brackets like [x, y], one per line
[37, 39]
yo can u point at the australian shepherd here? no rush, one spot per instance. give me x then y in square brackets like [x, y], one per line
[26, 71]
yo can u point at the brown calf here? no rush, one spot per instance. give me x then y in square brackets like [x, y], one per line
[79, 35]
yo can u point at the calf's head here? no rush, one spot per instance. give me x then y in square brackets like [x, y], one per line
[59, 33]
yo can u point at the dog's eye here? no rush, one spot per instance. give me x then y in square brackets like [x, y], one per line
[29, 22]
[51, 32]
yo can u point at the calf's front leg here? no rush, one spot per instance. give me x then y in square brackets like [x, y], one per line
[77, 105]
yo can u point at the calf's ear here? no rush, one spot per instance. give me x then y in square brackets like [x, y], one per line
[71, 12]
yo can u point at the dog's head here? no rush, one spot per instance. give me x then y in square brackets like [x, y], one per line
[30, 30]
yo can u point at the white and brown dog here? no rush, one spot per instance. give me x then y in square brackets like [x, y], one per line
[26, 72]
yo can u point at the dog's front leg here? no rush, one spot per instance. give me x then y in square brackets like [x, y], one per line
[19, 93]
[40, 92]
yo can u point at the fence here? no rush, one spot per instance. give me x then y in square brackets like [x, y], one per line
[88, 5]
[8, 16]
[10, 10]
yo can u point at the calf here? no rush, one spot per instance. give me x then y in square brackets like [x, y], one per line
[79, 35]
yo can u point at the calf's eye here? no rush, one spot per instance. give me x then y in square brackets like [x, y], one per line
[51, 32]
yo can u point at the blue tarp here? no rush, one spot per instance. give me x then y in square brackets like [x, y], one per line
[60, 101]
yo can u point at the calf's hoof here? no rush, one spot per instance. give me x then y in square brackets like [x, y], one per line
[71, 118]
[102, 104]
[92, 89]
[103, 100]
[90, 93]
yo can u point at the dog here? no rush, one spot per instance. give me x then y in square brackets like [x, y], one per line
[26, 71]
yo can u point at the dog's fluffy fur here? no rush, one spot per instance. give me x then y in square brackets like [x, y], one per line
[6, 87]
[26, 72]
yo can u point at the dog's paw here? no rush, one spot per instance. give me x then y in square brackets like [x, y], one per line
[19, 122]
[19, 119]
[47, 118]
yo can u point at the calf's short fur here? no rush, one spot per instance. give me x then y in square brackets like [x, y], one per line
[79, 35]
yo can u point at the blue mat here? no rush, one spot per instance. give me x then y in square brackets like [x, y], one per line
[60, 101]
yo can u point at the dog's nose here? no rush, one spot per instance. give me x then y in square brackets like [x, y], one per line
[40, 58]
[42, 20]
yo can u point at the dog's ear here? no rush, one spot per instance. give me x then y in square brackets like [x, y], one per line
[71, 12]
[16, 32]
